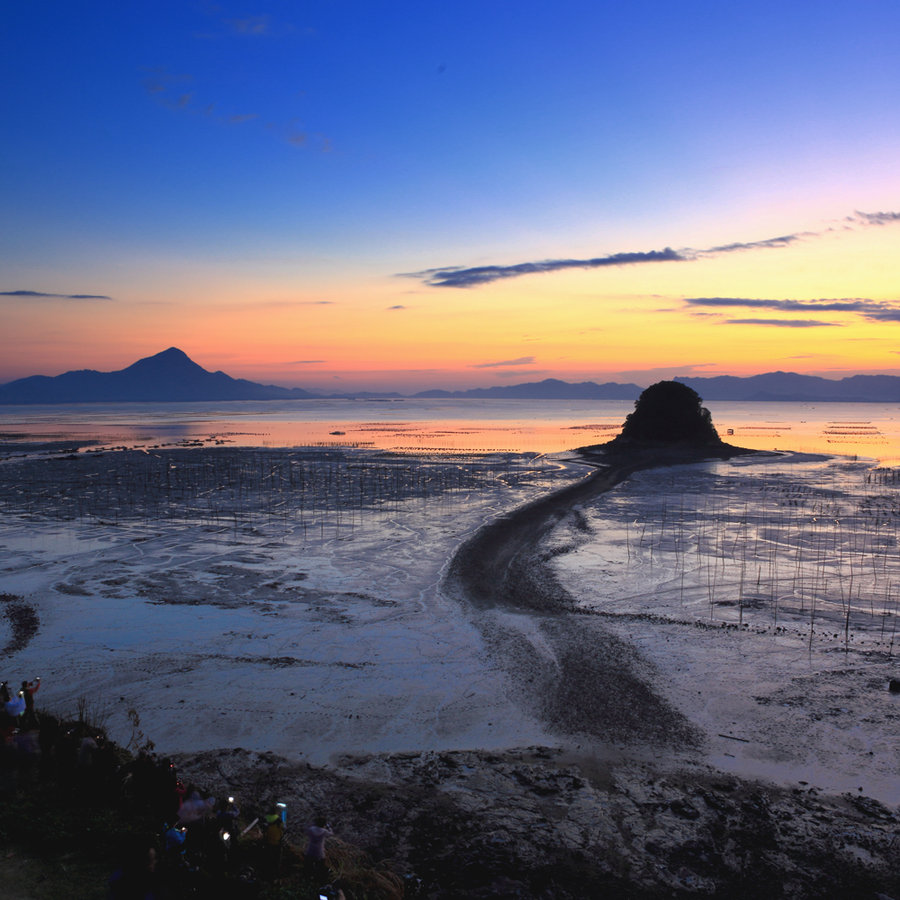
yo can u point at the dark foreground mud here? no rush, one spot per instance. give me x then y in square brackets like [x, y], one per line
[22, 620]
[541, 823]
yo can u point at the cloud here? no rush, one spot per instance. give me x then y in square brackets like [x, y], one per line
[169, 90]
[874, 310]
[474, 276]
[257, 305]
[521, 361]
[843, 305]
[397, 306]
[784, 323]
[518, 373]
[305, 362]
[665, 373]
[253, 26]
[884, 314]
[40, 295]
[784, 240]
[876, 218]
[455, 276]
[159, 79]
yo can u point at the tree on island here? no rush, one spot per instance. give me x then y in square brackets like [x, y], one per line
[669, 412]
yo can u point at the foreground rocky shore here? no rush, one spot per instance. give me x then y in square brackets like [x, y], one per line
[552, 823]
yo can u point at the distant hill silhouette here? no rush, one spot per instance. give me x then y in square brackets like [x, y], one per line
[773, 386]
[791, 386]
[548, 389]
[170, 376]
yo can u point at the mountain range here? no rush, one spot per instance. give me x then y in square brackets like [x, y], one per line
[166, 377]
[171, 376]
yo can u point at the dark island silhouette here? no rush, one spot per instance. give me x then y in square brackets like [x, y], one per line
[669, 425]
[667, 413]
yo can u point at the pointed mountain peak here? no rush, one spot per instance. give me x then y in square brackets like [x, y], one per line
[172, 360]
[171, 353]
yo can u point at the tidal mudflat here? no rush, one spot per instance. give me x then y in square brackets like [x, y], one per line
[685, 693]
[765, 592]
[273, 600]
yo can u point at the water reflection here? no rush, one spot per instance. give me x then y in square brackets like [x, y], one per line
[415, 426]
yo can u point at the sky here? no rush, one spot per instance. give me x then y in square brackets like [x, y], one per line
[344, 195]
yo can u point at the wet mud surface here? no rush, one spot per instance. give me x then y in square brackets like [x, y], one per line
[552, 823]
[322, 638]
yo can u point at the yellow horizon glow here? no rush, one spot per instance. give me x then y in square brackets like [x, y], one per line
[576, 324]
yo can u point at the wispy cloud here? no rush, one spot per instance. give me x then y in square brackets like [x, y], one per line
[518, 373]
[305, 362]
[252, 26]
[505, 363]
[784, 323]
[665, 373]
[874, 310]
[178, 92]
[455, 276]
[876, 218]
[784, 240]
[397, 306]
[40, 295]
[474, 276]
[884, 314]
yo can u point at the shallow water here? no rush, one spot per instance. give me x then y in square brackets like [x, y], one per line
[757, 542]
[765, 592]
[870, 430]
[326, 619]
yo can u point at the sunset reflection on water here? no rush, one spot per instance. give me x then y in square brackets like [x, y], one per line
[847, 429]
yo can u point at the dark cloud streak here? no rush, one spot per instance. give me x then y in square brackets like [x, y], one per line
[784, 240]
[454, 276]
[40, 295]
[521, 361]
[874, 310]
[784, 323]
[876, 218]
[474, 276]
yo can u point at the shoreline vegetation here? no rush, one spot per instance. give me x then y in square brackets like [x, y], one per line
[621, 806]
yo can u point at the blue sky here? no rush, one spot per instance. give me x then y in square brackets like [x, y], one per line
[190, 154]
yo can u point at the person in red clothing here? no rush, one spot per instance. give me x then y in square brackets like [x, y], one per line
[29, 689]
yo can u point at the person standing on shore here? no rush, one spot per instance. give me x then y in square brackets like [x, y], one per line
[273, 841]
[29, 689]
[315, 849]
[15, 707]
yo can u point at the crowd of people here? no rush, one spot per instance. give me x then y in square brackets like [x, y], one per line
[189, 843]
